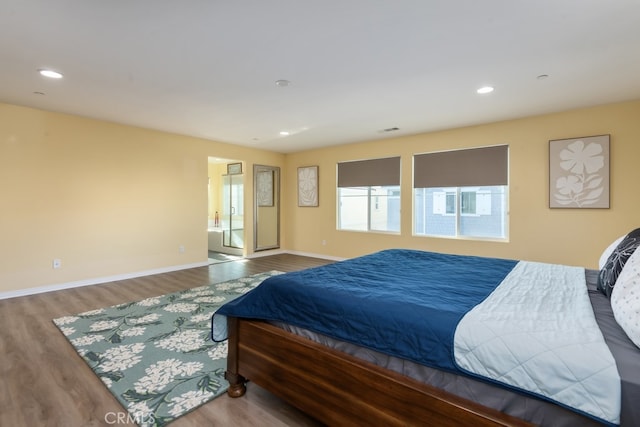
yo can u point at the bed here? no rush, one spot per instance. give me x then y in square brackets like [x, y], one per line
[400, 337]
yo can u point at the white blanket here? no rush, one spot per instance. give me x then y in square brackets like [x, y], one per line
[537, 332]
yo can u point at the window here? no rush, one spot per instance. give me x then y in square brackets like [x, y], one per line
[474, 204]
[444, 203]
[468, 202]
[369, 195]
[436, 211]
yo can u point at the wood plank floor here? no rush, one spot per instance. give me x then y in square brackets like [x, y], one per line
[43, 381]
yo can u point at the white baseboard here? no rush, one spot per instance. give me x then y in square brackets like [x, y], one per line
[100, 280]
[267, 252]
[312, 255]
[96, 281]
[280, 251]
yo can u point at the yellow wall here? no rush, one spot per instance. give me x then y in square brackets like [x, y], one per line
[106, 199]
[567, 236]
[112, 200]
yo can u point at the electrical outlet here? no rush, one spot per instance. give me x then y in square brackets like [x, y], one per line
[56, 263]
[181, 249]
[324, 242]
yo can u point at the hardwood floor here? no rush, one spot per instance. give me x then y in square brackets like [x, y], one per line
[45, 383]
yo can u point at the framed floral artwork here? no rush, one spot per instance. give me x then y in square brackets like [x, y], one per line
[264, 188]
[579, 172]
[308, 186]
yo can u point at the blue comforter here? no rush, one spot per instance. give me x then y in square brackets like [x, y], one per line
[403, 303]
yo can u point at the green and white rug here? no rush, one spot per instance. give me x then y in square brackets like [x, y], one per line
[156, 355]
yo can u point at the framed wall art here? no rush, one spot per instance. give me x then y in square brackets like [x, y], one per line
[264, 188]
[579, 172]
[234, 168]
[308, 186]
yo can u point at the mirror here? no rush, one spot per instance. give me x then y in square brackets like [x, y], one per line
[266, 203]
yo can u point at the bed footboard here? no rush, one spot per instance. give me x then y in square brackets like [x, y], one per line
[339, 389]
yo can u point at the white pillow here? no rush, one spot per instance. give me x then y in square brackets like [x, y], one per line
[607, 252]
[625, 298]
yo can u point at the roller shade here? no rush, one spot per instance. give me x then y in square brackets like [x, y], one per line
[367, 173]
[462, 168]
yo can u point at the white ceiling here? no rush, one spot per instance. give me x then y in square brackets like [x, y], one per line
[208, 68]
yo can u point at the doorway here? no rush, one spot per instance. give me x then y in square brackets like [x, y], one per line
[225, 231]
[232, 219]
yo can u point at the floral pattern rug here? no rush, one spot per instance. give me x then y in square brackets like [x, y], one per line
[156, 355]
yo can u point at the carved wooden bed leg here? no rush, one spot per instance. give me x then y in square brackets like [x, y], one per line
[237, 385]
[237, 382]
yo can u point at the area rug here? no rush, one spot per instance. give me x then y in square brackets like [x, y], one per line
[156, 355]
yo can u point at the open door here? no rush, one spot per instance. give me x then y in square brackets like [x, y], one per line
[233, 211]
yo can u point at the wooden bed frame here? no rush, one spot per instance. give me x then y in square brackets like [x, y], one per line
[339, 389]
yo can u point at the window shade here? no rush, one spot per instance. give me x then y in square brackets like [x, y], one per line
[462, 168]
[366, 173]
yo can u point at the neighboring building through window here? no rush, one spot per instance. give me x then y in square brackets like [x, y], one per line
[462, 193]
[369, 195]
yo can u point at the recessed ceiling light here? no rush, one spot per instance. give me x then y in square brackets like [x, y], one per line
[542, 76]
[50, 73]
[284, 133]
[282, 83]
[485, 89]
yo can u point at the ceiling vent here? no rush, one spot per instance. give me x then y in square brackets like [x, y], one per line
[393, 129]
